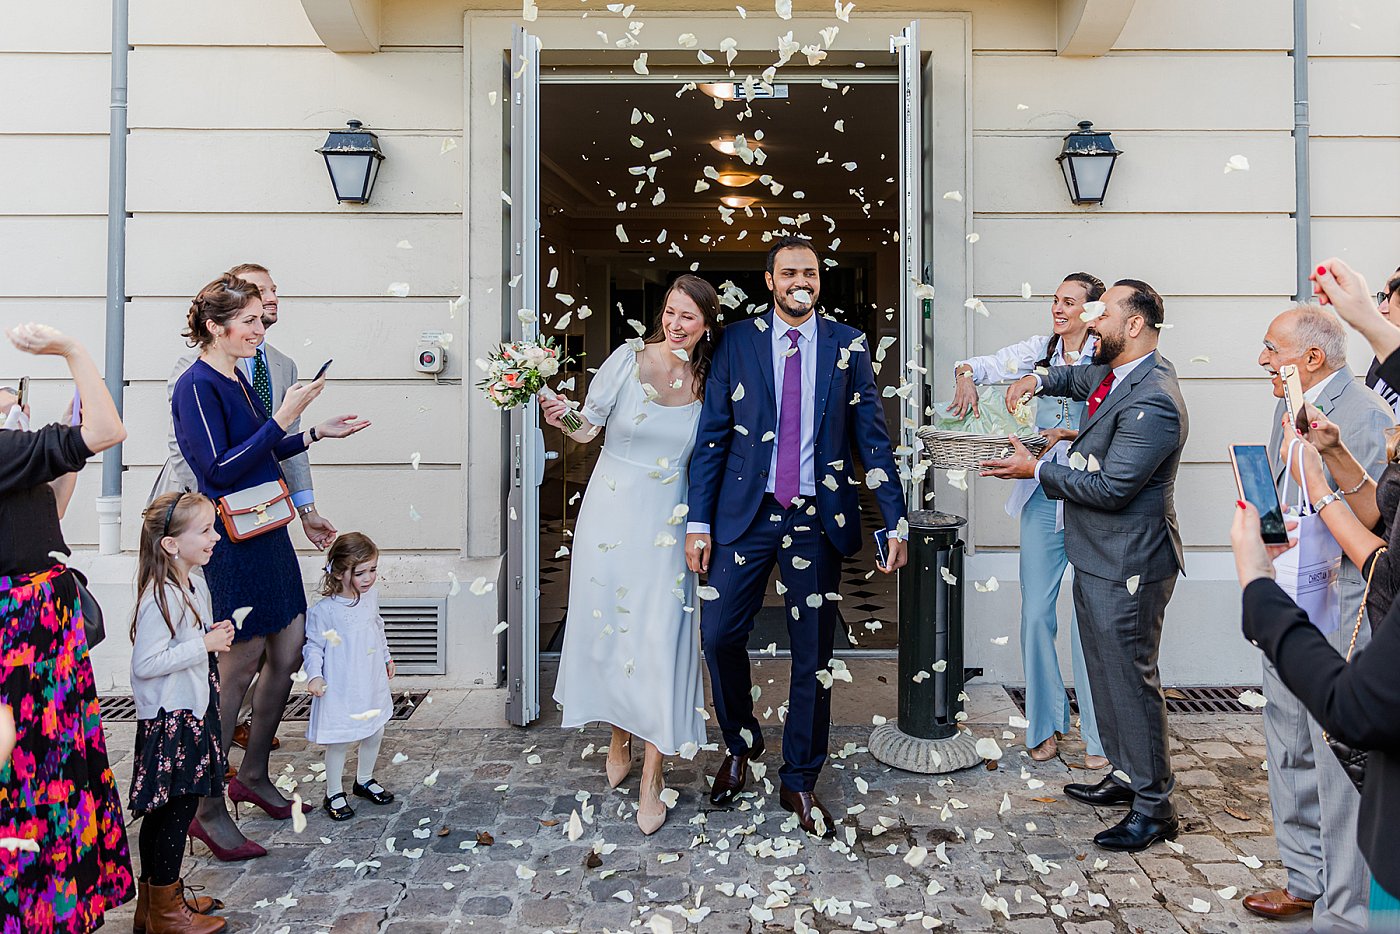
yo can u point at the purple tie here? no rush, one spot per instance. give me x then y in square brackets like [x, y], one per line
[786, 485]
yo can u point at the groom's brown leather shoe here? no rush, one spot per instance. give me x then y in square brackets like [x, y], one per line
[1277, 903]
[733, 775]
[806, 806]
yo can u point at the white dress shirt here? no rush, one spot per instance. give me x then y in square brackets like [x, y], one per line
[807, 346]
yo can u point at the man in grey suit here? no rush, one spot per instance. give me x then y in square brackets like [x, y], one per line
[1121, 536]
[1314, 803]
[270, 372]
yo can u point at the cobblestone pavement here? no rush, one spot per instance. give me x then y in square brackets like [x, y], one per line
[1006, 850]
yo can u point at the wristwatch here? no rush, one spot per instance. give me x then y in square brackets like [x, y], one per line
[314, 437]
[1326, 501]
[962, 371]
[306, 510]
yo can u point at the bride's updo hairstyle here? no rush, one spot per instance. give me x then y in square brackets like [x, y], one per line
[218, 302]
[707, 300]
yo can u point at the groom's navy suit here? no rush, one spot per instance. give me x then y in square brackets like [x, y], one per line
[731, 492]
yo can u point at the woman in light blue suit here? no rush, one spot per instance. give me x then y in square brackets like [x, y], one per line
[1042, 521]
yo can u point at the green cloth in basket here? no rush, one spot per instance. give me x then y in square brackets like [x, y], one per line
[993, 420]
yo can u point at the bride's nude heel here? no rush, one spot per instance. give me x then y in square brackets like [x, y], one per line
[618, 772]
[650, 821]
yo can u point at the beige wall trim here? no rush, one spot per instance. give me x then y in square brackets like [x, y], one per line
[1090, 27]
[345, 25]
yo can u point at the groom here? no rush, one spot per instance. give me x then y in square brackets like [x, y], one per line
[789, 402]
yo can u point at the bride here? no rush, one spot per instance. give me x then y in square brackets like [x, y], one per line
[631, 655]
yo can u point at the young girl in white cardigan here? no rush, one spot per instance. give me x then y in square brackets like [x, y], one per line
[348, 665]
[175, 684]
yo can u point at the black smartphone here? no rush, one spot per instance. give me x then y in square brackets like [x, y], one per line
[22, 396]
[882, 549]
[322, 371]
[1255, 478]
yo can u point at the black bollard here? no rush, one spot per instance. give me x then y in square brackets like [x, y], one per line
[926, 737]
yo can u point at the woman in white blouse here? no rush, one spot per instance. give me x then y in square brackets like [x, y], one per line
[1042, 521]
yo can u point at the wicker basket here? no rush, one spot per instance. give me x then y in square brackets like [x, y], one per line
[961, 450]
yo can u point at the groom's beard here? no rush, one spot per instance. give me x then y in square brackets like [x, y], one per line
[795, 309]
[1108, 349]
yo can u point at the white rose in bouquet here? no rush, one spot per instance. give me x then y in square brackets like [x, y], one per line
[548, 366]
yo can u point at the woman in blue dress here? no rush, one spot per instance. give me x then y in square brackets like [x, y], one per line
[1042, 555]
[232, 443]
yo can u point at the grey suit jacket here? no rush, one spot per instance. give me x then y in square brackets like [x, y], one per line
[1363, 418]
[176, 474]
[1120, 520]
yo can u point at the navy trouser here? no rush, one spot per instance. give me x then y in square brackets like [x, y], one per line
[808, 565]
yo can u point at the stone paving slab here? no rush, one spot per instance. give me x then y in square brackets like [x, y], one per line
[1006, 851]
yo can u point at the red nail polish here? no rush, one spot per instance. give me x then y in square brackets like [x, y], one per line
[1314, 424]
[1239, 503]
[1322, 270]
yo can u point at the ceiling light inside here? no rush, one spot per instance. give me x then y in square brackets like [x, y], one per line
[729, 144]
[736, 179]
[737, 201]
[725, 90]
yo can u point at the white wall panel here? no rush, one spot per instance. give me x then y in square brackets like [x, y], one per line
[330, 255]
[55, 93]
[1354, 97]
[407, 419]
[1253, 253]
[85, 320]
[1369, 244]
[230, 22]
[52, 256]
[1347, 177]
[281, 173]
[71, 26]
[1199, 326]
[1353, 27]
[1133, 92]
[310, 89]
[62, 174]
[1208, 24]
[1158, 173]
[368, 339]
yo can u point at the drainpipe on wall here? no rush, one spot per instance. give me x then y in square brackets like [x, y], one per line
[109, 504]
[1302, 163]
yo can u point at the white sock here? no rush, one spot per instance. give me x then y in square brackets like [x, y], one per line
[335, 768]
[369, 755]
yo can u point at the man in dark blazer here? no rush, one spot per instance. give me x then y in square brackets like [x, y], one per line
[1121, 536]
[790, 403]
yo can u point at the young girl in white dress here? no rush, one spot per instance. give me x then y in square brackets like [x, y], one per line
[631, 655]
[348, 667]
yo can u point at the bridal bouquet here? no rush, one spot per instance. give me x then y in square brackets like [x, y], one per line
[516, 371]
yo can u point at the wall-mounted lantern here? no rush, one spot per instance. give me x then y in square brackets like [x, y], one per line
[352, 158]
[1087, 160]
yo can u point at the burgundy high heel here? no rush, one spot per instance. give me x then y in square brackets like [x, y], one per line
[237, 791]
[245, 850]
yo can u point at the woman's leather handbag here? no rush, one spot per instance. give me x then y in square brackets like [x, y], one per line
[1354, 760]
[91, 610]
[257, 510]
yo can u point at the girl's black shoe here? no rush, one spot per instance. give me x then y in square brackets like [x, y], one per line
[341, 811]
[373, 791]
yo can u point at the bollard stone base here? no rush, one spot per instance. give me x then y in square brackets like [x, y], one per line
[927, 756]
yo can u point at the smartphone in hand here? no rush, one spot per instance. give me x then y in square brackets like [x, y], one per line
[322, 371]
[1293, 396]
[882, 547]
[22, 395]
[1254, 477]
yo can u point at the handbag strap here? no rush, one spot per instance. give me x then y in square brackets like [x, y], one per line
[1361, 610]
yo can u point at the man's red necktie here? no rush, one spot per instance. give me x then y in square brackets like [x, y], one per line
[1100, 394]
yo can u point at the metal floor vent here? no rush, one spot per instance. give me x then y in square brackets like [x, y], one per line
[120, 708]
[417, 632]
[1201, 700]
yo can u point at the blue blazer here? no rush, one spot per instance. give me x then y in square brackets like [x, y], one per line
[729, 468]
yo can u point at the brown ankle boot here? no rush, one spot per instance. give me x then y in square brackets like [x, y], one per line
[168, 914]
[199, 904]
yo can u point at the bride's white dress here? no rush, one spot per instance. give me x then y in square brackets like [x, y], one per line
[631, 653]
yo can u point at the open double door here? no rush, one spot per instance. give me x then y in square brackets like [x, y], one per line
[525, 441]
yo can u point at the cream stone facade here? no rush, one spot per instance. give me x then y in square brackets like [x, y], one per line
[228, 103]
